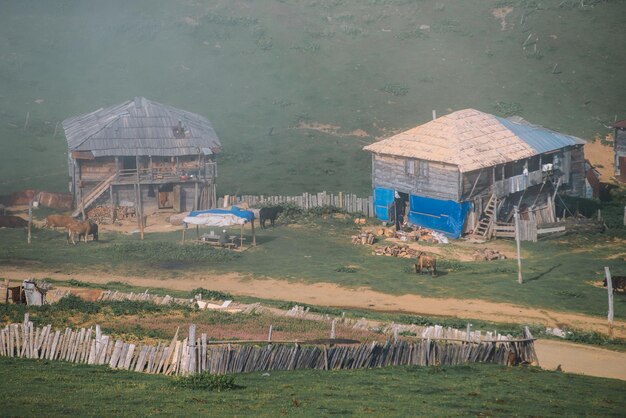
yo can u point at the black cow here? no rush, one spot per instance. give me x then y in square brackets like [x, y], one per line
[269, 213]
[12, 221]
[618, 282]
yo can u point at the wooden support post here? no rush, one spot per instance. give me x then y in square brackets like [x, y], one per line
[6, 296]
[253, 235]
[195, 197]
[112, 204]
[82, 203]
[624, 215]
[517, 242]
[332, 330]
[609, 288]
[269, 335]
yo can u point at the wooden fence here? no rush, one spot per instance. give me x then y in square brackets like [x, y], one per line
[193, 355]
[346, 201]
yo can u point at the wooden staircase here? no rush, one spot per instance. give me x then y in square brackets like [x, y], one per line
[485, 225]
[95, 193]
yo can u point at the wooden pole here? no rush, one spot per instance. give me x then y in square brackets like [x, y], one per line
[112, 205]
[269, 335]
[609, 288]
[7, 284]
[517, 242]
[30, 219]
[624, 215]
[82, 203]
[253, 235]
[192, 349]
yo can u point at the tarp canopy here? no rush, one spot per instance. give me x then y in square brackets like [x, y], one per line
[219, 217]
[445, 216]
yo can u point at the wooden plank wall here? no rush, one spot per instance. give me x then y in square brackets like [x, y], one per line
[442, 181]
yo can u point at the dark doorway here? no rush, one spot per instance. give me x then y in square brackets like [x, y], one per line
[129, 163]
[166, 196]
[401, 203]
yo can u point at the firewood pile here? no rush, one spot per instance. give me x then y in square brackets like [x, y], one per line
[364, 238]
[488, 254]
[100, 214]
[397, 250]
[125, 212]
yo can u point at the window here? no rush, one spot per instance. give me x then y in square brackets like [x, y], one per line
[409, 166]
[423, 168]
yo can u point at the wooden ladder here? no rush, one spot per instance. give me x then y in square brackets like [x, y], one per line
[486, 222]
[94, 194]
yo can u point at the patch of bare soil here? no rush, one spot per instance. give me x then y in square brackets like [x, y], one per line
[601, 157]
[332, 130]
[329, 294]
[581, 359]
[501, 13]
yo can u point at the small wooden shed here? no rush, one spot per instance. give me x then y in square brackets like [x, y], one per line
[145, 153]
[463, 171]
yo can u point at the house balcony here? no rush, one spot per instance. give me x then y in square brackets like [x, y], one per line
[205, 174]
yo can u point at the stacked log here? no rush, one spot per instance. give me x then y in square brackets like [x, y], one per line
[125, 212]
[396, 250]
[365, 238]
[100, 214]
[488, 254]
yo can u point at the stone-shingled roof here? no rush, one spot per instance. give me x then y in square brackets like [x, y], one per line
[141, 127]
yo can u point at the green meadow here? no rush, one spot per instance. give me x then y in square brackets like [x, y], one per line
[57, 389]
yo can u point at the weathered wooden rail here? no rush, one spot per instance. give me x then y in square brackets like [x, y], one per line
[351, 203]
[193, 355]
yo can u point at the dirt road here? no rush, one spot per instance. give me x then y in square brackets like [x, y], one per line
[581, 359]
[328, 294]
[573, 358]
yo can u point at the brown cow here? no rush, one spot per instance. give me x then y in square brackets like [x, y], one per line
[58, 221]
[12, 221]
[426, 261]
[81, 229]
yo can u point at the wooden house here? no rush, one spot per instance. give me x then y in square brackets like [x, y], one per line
[619, 144]
[142, 153]
[467, 170]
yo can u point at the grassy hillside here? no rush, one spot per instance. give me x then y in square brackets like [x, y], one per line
[472, 390]
[295, 88]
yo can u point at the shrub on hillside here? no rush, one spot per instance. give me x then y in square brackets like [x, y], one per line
[205, 381]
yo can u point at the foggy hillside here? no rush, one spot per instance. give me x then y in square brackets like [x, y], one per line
[295, 88]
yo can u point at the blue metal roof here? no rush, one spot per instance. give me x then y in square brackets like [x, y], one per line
[540, 139]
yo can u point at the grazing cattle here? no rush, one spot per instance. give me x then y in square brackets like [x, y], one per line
[426, 262]
[58, 221]
[81, 229]
[618, 282]
[12, 221]
[269, 213]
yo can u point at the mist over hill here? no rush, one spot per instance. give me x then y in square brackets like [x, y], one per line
[295, 88]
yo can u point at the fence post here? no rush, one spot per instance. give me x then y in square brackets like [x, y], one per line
[609, 288]
[191, 343]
